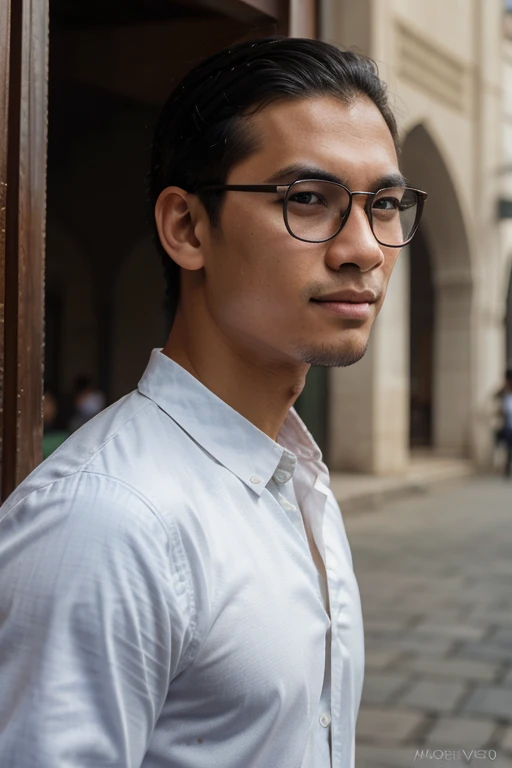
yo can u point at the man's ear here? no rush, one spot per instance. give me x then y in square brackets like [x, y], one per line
[176, 227]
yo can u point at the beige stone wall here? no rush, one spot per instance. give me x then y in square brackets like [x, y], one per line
[443, 62]
[506, 179]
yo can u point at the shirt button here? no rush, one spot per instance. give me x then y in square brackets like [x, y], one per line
[281, 477]
[325, 720]
[255, 479]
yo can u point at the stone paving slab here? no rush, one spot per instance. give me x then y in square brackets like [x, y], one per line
[463, 669]
[448, 616]
[385, 726]
[502, 636]
[455, 631]
[370, 756]
[379, 687]
[490, 617]
[379, 660]
[502, 761]
[486, 652]
[493, 701]
[385, 626]
[506, 742]
[433, 696]
[426, 644]
[461, 733]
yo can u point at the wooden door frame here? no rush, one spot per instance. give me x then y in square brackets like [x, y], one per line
[296, 18]
[23, 95]
[24, 28]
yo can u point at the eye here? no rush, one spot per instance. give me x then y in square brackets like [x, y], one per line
[307, 198]
[387, 204]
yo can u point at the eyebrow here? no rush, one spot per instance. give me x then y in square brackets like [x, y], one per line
[297, 171]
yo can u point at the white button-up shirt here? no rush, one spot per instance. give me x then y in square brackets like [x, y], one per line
[159, 602]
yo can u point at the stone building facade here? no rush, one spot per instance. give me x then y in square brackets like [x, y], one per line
[437, 352]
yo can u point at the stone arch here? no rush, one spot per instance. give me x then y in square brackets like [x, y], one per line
[445, 234]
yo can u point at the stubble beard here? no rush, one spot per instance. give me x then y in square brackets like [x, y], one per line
[325, 357]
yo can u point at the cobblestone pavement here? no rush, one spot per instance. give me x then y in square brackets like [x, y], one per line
[435, 574]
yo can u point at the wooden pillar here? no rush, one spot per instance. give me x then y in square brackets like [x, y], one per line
[302, 18]
[23, 100]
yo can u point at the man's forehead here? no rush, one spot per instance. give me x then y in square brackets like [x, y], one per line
[324, 131]
[322, 114]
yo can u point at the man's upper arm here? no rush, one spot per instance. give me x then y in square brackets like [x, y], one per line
[95, 619]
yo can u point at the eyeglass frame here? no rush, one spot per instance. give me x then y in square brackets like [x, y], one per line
[421, 197]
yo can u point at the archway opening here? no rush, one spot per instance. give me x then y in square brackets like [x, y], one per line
[508, 324]
[312, 407]
[421, 342]
[441, 303]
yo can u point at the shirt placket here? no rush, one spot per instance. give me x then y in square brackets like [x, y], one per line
[342, 725]
[314, 508]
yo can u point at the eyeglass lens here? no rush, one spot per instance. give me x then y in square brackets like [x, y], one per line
[316, 209]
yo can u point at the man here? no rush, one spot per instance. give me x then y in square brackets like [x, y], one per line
[176, 584]
[506, 406]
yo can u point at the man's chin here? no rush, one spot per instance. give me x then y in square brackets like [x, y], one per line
[340, 356]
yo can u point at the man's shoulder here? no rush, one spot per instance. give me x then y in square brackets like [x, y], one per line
[131, 448]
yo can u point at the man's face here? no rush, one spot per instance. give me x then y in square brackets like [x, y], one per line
[260, 282]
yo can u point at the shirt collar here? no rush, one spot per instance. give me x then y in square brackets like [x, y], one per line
[223, 432]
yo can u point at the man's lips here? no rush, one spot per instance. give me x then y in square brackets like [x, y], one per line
[349, 295]
[352, 305]
[350, 310]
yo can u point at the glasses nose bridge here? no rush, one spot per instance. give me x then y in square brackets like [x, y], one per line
[369, 195]
[367, 205]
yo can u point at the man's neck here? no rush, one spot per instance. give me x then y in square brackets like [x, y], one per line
[262, 393]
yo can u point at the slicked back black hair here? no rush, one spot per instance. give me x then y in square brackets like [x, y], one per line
[202, 131]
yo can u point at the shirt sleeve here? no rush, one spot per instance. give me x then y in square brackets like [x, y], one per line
[96, 618]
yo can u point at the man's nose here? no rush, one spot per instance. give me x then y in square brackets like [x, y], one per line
[356, 243]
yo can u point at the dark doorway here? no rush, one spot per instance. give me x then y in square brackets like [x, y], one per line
[422, 318]
[106, 58]
[53, 339]
[112, 66]
[312, 406]
[508, 322]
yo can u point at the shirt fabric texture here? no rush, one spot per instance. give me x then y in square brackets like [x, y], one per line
[159, 602]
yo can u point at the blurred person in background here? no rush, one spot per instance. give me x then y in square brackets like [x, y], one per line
[88, 401]
[176, 583]
[50, 408]
[53, 432]
[502, 426]
[506, 405]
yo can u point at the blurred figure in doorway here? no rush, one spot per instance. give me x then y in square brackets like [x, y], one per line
[87, 402]
[53, 433]
[506, 407]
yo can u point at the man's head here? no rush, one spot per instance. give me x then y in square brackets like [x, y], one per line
[272, 111]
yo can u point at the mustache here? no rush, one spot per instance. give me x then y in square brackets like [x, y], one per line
[313, 290]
